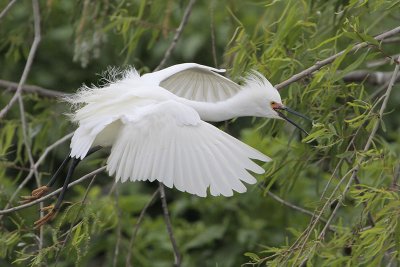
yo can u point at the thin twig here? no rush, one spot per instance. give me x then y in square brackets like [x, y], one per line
[24, 206]
[362, 158]
[33, 167]
[33, 89]
[212, 30]
[32, 52]
[24, 127]
[119, 215]
[68, 234]
[292, 206]
[7, 8]
[177, 35]
[136, 228]
[17, 96]
[396, 176]
[381, 61]
[177, 255]
[330, 59]
[314, 220]
[38, 162]
[372, 77]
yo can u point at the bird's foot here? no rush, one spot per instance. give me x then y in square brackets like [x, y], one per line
[51, 212]
[36, 194]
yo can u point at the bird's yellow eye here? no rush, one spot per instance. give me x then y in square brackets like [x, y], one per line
[273, 103]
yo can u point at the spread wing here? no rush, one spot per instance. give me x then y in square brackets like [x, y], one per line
[169, 142]
[195, 82]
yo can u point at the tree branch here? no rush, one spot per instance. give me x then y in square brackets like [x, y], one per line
[31, 172]
[177, 255]
[119, 216]
[7, 8]
[33, 89]
[24, 206]
[330, 59]
[32, 52]
[292, 206]
[381, 61]
[136, 227]
[177, 35]
[355, 170]
[375, 78]
[68, 234]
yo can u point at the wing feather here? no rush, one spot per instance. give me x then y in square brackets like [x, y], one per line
[172, 145]
[195, 82]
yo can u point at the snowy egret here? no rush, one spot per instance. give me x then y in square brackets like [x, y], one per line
[156, 127]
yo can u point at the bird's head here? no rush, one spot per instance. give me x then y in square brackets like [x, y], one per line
[268, 100]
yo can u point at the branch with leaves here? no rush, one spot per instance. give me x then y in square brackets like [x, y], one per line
[318, 65]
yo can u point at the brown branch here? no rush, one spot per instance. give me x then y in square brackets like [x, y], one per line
[24, 206]
[177, 35]
[32, 52]
[33, 89]
[330, 59]
[177, 255]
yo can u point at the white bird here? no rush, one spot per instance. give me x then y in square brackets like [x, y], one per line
[156, 127]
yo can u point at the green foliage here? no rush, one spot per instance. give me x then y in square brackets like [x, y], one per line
[278, 38]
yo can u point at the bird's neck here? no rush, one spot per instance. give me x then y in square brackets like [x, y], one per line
[237, 106]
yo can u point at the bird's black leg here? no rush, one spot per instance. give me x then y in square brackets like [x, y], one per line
[52, 209]
[39, 192]
[55, 175]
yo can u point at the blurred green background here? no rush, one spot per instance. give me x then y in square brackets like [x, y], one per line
[80, 39]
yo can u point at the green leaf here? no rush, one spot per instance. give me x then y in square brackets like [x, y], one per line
[212, 233]
[254, 257]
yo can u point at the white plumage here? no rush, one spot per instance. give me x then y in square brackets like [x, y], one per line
[155, 126]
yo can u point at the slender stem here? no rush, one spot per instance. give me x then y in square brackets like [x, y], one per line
[38, 162]
[68, 234]
[32, 52]
[212, 30]
[33, 89]
[330, 59]
[7, 8]
[358, 165]
[119, 216]
[55, 192]
[177, 35]
[136, 227]
[177, 255]
[292, 206]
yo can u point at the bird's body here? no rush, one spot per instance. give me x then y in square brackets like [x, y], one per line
[156, 127]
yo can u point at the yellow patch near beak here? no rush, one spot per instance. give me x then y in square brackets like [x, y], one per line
[275, 105]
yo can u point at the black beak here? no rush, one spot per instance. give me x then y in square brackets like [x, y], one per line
[289, 120]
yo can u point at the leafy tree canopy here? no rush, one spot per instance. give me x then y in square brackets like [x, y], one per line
[327, 199]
